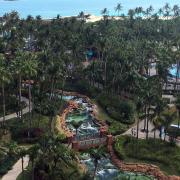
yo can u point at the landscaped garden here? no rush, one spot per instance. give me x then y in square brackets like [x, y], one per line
[85, 99]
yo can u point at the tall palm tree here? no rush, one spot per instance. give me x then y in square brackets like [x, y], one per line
[4, 78]
[96, 155]
[18, 68]
[139, 107]
[177, 103]
[118, 8]
[30, 67]
[82, 16]
[176, 10]
[76, 125]
[105, 14]
[33, 154]
[21, 152]
[167, 119]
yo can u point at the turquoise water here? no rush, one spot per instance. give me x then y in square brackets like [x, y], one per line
[173, 71]
[50, 8]
[107, 171]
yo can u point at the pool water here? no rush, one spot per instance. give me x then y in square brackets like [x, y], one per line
[107, 171]
[173, 71]
[83, 113]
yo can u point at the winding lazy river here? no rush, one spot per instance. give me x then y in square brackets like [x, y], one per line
[90, 127]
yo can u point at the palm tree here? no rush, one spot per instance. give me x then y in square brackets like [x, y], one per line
[76, 125]
[4, 78]
[118, 8]
[18, 68]
[21, 152]
[167, 10]
[167, 119]
[176, 10]
[131, 14]
[139, 107]
[105, 13]
[33, 153]
[177, 103]
[82, 16]
[30, 68]
[50, 108]
[160, 12]
[96, 155]
[157, 119]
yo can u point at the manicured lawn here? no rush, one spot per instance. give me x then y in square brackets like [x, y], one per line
[158, 152]
[26, 175]
[6, 164]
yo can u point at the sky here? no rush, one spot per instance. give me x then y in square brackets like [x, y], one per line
[50, 8]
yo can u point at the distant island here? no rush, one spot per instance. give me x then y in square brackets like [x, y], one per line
[10, 0]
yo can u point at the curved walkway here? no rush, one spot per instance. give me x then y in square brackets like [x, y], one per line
[24, 111]
[142, 135]
[16, 169]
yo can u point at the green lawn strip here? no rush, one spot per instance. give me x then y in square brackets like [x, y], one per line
[163, 154]
[6, 165]
[26, 175]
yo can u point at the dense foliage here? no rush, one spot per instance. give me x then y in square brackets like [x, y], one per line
[37, 57]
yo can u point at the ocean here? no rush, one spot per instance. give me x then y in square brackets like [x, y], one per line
[50, 8]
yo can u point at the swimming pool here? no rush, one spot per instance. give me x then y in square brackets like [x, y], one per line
[173, 71]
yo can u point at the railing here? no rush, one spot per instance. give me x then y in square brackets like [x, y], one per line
[87, 137]
[92, 143]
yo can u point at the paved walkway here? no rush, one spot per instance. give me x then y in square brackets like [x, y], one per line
[16, 169]
[14, 115]
[142, 135]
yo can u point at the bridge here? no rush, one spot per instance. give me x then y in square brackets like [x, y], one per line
[92, 142]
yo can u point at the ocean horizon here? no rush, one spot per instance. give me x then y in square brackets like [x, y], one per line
[50, 8]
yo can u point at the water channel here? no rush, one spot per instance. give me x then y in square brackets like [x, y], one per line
[106, 170]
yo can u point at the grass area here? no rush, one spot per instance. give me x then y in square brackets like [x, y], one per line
[19, 128]
[6, 164]
[175, 121]
[115, 127]
[26, 175]
[158, 152]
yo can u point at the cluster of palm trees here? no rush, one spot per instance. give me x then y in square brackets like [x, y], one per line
[48, 52]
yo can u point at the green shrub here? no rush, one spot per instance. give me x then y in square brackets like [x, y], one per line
[6, 165]
[116, 128]
[82, 87]
[120, 110]
[118, 147]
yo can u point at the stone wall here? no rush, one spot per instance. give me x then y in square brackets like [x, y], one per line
[141, 168]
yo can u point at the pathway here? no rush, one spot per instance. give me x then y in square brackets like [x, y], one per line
[14, 115]
[142, 135]
[16, 169]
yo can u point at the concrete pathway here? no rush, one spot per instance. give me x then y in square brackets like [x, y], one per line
[16, 169]
[14, 115]
[142, 135]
